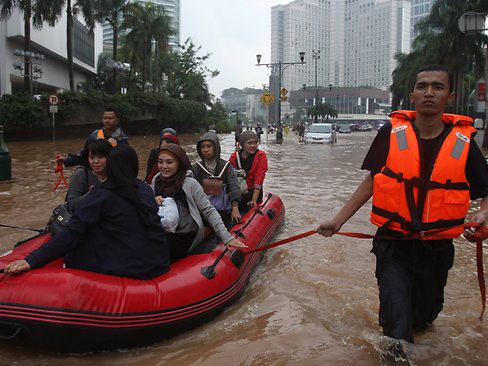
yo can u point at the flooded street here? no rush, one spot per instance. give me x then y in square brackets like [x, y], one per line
[311, 302]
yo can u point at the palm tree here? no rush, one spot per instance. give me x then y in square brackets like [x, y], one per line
[27, 7]
[149, 30]
[50, 11]
[440, 41]
[112, 11]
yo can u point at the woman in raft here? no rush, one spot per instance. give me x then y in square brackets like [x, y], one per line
[173, 180]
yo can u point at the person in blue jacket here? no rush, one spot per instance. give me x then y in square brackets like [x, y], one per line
[115, 229]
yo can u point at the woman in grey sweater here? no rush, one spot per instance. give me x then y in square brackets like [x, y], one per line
[92, 172]
[193, 204]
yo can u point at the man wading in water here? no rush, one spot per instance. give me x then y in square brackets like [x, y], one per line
[425, 166]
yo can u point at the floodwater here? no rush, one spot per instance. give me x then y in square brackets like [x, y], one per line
[312, 302]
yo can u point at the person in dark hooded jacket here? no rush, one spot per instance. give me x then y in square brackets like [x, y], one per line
[115, 229]
[213, 167]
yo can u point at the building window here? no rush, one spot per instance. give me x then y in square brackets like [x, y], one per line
[83, 44]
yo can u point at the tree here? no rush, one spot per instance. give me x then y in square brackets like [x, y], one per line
[27, 7]
[187, 73]
[323, 110]
[440, 41]
[51, 11]
[149, 29]
[112, 11]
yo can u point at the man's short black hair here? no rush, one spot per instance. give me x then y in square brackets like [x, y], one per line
[436, 67]
[111, 109]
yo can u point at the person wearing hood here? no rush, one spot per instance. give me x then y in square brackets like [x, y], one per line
[255, 163]
[217, 178]
[115, 230]
[194, 207]
[168, 136]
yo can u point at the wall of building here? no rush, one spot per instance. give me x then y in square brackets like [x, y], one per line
[49, 41]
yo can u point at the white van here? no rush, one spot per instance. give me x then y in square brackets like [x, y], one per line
[321, 133]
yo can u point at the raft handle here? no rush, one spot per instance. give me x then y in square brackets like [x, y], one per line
[13, 331]
[208, 272]
[271, 213]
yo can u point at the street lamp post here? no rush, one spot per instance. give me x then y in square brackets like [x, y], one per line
[279, 67]
[472, 23]
[316, 56]
[30, 67]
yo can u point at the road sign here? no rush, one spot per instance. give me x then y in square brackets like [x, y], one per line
[53, 109]
[267, 98]
[283, 92]
[53, 99]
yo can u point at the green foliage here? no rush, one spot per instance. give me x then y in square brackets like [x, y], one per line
[217, 118]
[440, 42]
[18, 110]
[322, 110]
[21, 111]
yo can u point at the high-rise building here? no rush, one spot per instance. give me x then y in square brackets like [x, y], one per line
[375, 32]
[420, 9]
[171, 8]
[357, 40]
[306, 26]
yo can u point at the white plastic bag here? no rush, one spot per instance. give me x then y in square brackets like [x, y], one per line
[169, 215]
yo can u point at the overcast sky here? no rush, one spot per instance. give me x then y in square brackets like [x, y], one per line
[233, 31]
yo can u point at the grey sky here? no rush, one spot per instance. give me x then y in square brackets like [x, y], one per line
[233, 31]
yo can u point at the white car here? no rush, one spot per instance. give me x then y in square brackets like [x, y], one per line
[321, 133]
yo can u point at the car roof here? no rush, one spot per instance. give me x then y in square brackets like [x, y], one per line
[320, 124]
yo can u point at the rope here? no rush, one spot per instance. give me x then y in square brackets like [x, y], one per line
[59, 169]
[477, 237]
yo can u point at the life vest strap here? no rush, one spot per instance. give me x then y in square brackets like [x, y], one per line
[407, 225]
[425, 183]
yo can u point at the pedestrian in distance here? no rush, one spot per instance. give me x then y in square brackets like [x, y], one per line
[110, 131]
[424, 168]
[237, 131]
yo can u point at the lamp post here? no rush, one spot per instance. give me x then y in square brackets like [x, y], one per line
[279, 67]
[315, 57]
[30, 67]
[471, 23]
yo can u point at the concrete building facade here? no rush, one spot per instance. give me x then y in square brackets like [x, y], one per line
[357, 40]
[51, 43]
[419, 10]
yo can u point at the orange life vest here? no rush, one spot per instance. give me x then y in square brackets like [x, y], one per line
[101, 135]
[403, 201]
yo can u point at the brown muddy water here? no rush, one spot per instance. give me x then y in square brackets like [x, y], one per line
[311, 302]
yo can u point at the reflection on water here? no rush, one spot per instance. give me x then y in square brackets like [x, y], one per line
[312, 301]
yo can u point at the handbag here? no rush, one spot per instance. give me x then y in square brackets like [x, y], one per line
[213, 185]
[241, 176]
[59, 220]
[216, 190]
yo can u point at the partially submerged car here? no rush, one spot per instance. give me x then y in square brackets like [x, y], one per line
[321, 133]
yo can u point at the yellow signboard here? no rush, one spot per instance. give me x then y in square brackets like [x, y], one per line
[283, 92]
[267, 98]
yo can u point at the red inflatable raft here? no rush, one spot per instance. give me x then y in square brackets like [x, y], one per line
[75, 310]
